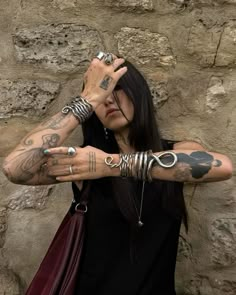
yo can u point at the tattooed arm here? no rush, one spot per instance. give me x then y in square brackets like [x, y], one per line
[195, 165]
[25, 164]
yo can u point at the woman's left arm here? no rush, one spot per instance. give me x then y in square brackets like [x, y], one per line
[195, 164]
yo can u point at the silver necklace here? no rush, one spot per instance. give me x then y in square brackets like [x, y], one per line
[139, 213]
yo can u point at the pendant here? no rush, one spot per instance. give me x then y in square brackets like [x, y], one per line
[140, 223]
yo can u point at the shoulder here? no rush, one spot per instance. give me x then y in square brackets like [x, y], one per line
[188, 145]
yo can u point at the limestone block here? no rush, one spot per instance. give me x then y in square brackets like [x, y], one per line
[203, 43]
[227, 48]
[129, 5]
[145, 47]
[223, 236]
[26, 98]
[159, 93]
[34, 197]
[9, 283]
[3, 225]
[61, 47]
[216, 95]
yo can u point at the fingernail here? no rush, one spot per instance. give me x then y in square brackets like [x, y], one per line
[46, 152]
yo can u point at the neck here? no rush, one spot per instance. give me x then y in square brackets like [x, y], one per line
[123, 142]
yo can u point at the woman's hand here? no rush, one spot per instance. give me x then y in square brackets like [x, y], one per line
[86, 163]
[100, 79]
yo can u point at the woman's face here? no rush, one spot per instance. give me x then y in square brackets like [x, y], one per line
[109, 112]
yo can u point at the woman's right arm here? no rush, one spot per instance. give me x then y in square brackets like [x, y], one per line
[25, 164]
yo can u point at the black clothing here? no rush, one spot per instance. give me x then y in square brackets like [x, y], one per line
[115, 264]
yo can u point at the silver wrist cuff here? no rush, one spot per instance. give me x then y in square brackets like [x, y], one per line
[80, 108]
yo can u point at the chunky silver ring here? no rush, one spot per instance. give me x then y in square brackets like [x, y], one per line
[71, 151]
[108, 59]
[100, 55]
[71, 169]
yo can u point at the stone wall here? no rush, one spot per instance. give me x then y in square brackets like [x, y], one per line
[187, 51]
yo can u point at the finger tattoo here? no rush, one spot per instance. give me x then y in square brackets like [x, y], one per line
[105, 82]
[92, 162]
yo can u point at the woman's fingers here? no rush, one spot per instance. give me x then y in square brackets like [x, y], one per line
[69, 151]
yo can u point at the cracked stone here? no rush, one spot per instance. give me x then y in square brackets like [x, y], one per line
[26, 98]
[34, 197]
[216, 95]
[184, 249]
[61, 48]
[64, 4]
[226, 52]
[203, 43]
[145, 47]
[223, 236]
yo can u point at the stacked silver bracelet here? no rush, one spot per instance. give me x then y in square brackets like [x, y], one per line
[140, 164]
[80, 108]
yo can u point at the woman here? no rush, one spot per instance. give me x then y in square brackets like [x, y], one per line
[136, 203]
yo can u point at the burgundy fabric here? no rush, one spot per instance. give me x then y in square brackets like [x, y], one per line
[58, 271]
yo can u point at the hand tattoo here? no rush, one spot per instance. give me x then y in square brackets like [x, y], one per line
[92, 162]
[105, 82]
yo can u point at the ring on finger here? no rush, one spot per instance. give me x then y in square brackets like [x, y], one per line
[108, 59]
[71, 169]
[71, 151]
[100, 55]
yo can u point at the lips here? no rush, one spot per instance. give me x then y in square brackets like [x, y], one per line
[111, 111]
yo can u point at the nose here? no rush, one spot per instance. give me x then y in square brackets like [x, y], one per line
[109, 100]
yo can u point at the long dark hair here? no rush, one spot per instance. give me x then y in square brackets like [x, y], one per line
[143, 135]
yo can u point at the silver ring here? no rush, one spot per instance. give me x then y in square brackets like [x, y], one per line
[71, 151]
[108, 59]
[71, 169]
[100, 55]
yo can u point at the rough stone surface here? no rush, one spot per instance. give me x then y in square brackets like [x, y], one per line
[184, 249]
[131, 5]
[9, 283]
[64, 4]
[61, 47]
[26, 98]
[216, 95]
[226, 51]
[145, 47]
[159, 93]
[34, 197]
[200, 35]
[3, 225]
[204, 285]
[223, 235]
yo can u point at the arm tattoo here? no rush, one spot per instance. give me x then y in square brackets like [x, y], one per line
[92, 162]
[195, 165]
[52, 123]
[28, 163]
[105, 82]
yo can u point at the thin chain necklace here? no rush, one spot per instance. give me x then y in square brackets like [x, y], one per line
[139, 213]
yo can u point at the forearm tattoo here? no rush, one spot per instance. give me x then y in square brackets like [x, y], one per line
[28, 163]
[105, 82]
[92, 162]
[196, 165]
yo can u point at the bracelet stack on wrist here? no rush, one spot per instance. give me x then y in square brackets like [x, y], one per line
[140, 164]
[80, 107]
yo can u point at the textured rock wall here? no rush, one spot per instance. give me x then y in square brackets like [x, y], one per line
[187, 51]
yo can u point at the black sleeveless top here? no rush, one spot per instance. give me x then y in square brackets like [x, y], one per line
[113, 265]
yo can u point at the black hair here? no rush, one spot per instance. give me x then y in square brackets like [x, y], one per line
[143, 135]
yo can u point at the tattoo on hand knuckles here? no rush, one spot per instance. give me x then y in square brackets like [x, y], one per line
[106, 82]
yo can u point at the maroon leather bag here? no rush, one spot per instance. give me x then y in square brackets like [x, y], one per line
[58, 271]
